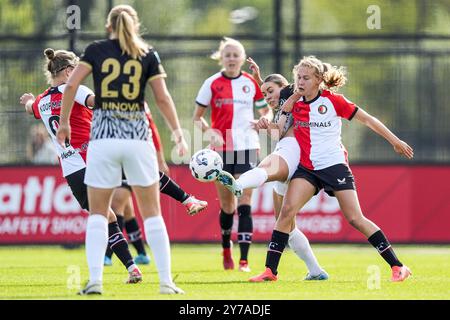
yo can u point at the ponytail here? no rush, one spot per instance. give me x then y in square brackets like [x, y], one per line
[333, 77]
[124, 22]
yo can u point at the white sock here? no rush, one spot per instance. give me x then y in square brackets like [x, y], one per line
[158, 240]
[300, 245]
[252, 178]
[132, 267]
[96, 242]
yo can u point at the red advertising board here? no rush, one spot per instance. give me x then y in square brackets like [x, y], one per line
[36, 206]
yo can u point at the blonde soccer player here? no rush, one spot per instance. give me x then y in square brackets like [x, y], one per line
[122, 65]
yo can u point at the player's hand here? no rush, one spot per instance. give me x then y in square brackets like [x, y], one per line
[255, 70]
[25, 98]
[182, 147]
[402, 148]
[63, 134]
[262, 123]
[216, 139]
[254, 67]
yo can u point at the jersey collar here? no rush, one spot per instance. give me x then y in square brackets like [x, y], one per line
[315, 99]
[225, 76]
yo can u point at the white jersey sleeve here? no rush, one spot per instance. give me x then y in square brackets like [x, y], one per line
[81, 95]
[204, 95]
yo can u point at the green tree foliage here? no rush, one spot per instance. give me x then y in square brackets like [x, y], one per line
[398, 80]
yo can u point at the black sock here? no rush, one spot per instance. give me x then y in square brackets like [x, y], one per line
[226, 225]
[108, 252]
[169, 187]
[120, 220]
[379, 241]
[245, 229]
[134, 234]
[119, 244]
[276, 246]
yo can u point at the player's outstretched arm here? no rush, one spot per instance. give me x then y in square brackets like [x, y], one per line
[401, 147]
[27, 99]
[289, 103]
[286, 108]
[256, 73]
[166, 105]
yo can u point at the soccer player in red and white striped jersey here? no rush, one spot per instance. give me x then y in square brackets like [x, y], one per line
[232, 96]
[317, 113]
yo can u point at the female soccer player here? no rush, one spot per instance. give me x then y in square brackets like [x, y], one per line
[323, 160]
[59, 66]
[121, 138]
[232, 95]
[278, 166]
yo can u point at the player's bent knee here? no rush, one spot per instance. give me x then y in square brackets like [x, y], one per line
[356, 222]
[287, 212]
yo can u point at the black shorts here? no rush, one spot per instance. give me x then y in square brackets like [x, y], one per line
[334, 178]
[79, 189]
[236, 162]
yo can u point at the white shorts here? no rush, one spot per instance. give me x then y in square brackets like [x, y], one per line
[289, 150]
[106, 158]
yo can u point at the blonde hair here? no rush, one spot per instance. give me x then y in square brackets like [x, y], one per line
[333, 77]
[57, 61]
[226, 41]
[124, 21]
[276, 78]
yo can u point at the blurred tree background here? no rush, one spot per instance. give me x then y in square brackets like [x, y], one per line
[396, 72]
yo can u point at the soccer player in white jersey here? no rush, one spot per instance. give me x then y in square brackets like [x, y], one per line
[324, 163]
[121, 139]
[232, 96]
[72, 156]
[278, 166]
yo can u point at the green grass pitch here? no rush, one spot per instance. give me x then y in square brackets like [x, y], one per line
[356, 272]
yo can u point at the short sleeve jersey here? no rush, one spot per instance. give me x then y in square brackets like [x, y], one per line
[232, 102]
[47, 107]
[285, 93]
[317, 128]
[119, 83]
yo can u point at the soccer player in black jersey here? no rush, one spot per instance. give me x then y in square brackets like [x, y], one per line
[121, 140]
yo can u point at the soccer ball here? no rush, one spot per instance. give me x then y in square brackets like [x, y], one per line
[206, 165]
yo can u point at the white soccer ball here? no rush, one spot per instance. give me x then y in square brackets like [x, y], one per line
[206, 165]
